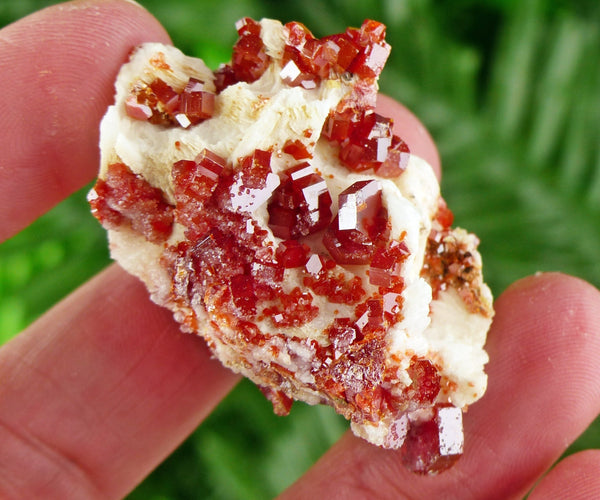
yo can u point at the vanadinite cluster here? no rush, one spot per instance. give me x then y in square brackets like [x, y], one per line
[280, 217]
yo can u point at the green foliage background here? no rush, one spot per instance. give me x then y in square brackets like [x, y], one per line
[511, 93]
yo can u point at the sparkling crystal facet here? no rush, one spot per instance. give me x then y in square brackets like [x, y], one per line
[386, 264]
[254, 182]
[196, 104]
[396, 159]
[249, 60]
[342, 333]
[301, 205]
[360, 226]
[433, 444]
[137, 110]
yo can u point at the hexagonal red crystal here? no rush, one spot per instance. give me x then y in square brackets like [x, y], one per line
[291, 253]
[396, 159]
[247, 26]
[249, 60]
[370, 316]
[339, 124]
[301, 205]
[435, 443]
[224, 77]
[254, 182]
[370, 61]
[166, 95]
[194, 182]
[340, 51]
[241, 287]
[425, 378]
[360, 226]
[196, 103]
[137, 110]
[386, 265]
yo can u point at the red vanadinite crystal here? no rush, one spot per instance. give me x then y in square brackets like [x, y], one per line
[166, 96]
[254, 182]
[298, 57]
[339, 51]
[370, 316]
[317, 264]
[249, 60]
[196, 104]
[396, 160]
[255, 168]
[307, 60]
[126, 198]
[444, 215]
[386, 264]
[291, 254]
[360, 226]
[450, 263]
[374, 49]
[194, 182]
[227, 263]
[392, 304]
[282, 404]
[160, 104]
[301, 205]
[137, 110]
[247, 26]
[242, 294]
[224, 77]
[294, 309]
[366, 142]
[434, 444]
[343, 333]
[297, 149]
[370, 61]
[325, 278]
[425, 381]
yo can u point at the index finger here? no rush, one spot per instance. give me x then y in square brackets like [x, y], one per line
[57, 83]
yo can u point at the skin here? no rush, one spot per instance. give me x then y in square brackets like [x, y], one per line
[102, 388]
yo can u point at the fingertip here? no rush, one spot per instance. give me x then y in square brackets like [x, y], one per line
[65, 59]
[548, 291]
[411, 130]
[543, 392]
[577, 477]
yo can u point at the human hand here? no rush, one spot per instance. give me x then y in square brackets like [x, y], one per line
[103, 387]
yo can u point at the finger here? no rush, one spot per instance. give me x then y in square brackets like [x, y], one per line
[577, 477]
[58, 68]
[543, 392]
[411, 130]
[98, 392]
